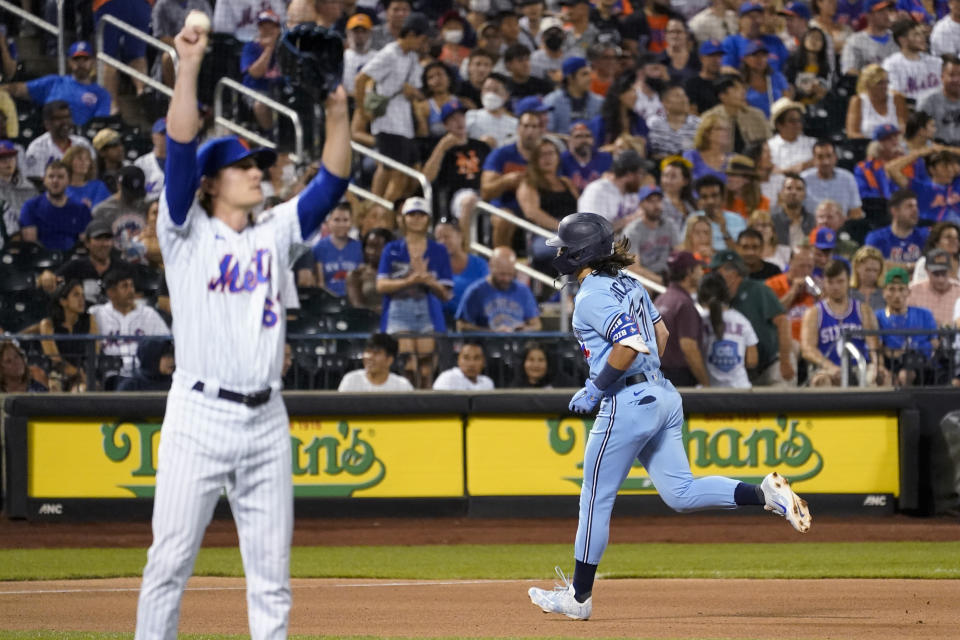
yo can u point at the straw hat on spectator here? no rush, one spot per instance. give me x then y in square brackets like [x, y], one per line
[781, 106]
[106, 138]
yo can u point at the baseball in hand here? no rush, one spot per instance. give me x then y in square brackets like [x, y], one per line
[198, 20]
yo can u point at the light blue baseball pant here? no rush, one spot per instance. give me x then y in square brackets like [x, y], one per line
[641, 422]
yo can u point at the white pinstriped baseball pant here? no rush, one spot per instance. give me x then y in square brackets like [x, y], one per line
[208, 445]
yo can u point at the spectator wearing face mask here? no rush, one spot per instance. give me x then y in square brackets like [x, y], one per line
[493, 123]
[452, 33]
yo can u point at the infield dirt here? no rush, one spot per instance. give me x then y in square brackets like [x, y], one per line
[654, 608]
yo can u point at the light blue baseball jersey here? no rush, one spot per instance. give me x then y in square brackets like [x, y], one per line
[609, 310]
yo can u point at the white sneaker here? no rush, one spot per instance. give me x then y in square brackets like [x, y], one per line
[561, 600]
[784, 502]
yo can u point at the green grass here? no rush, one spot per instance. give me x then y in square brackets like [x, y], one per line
[810, 560]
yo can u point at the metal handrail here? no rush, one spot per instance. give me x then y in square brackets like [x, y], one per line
[487, 252]
[282, 109]
[397, 166]
[104, 59]
[369, 195]
[846, 350]
[540, 231]
[46, 26]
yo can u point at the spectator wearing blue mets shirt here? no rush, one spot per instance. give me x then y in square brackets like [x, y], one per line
[938, 196]
[259, 66]
[902, 242]
[736, 45]
[582, 163]
[52, 219]
[337, 254]
[86, 98]
[499, 302]
[870, 174]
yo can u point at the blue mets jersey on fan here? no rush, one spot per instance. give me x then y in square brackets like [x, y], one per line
[828, 330]
[609, 310]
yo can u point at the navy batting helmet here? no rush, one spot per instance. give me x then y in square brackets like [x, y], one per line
[582, 238]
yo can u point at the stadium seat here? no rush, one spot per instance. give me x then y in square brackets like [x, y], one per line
[357, 320]
[147, 279]
[851, 151]
[19, 310]
[98, 123]
[311, 325]
[317, 301]
[136, 145]
[333, 368]
[876, 211]
[14, 279]
[222, 59]
[817, 122]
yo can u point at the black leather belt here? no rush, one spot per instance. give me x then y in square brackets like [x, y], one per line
[249, 399]
[636, 378]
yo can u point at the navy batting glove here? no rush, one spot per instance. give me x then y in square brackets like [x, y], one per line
[585, 400]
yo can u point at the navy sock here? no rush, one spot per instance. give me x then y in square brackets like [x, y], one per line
[583, 575]
[748, 494]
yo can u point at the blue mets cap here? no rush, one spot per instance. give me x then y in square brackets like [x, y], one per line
[711, 48]
[646, 192]
[824, 238]
[222, 152]
[884, 131]
[796, 9]
[7, 149]
[80, 49]
[452, 107]
[876, 5]
[755, 46]
[748, 7]
[160, 126]
[530, 104]
[572, 65]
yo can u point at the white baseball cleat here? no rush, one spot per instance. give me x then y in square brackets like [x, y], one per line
[784, 502]
[561, 600]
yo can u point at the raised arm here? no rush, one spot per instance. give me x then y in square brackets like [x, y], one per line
[896, 166]
[184, 125]
[325, 190]
[183, 119]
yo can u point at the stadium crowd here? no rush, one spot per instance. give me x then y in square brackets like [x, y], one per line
[783, 172]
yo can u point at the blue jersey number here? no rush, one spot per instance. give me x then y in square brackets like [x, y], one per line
[270, 316]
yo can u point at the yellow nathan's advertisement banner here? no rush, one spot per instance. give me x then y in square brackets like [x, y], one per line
[375, 457]
[818, 452]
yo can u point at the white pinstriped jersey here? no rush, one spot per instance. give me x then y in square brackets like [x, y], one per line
[913, 78]
[140, 321]
[229, 282]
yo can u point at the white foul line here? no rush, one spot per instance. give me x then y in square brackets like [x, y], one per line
[319, 586]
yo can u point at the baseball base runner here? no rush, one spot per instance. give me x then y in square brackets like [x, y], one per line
[622, 334]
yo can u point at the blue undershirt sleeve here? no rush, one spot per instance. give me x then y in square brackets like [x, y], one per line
[181, 178]
[316, 201]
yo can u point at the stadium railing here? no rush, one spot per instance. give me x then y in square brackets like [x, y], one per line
[104, 59]
[54, 29]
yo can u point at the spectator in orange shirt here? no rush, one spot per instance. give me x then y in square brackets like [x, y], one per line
[603, 66]
[792, 289]
[743, 187]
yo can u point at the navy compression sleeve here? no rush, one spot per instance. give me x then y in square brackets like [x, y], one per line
[316, 201]
[181, 178]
